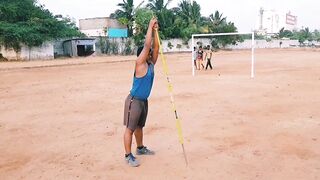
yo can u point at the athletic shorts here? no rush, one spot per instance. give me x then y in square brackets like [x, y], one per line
[135, 113]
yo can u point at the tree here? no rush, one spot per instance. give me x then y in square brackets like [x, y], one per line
[125, 15]
[179, 22]
[219, 24]
[316, 35]
[217, 18]
[189, 18]
[25, 22]
[158, 5]
[302, 35]
[165, 17]
[142, 18]
[284, 34]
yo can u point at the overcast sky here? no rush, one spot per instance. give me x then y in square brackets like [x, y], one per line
[244, 13]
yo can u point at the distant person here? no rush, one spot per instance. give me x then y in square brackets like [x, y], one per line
[208, 57]
[136, 104]
[200, 58]
[195, 55]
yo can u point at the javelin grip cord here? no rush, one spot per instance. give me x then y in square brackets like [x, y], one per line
[170, 89]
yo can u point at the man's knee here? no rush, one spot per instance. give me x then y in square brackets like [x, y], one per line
[129, 131]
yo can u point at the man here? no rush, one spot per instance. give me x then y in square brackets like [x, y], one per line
[208, 57]
[200, 58]
[195, 56]
[136, 104]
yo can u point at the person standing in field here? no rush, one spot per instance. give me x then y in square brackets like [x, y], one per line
[208, 57]
[200, 58]
[136, 104]
[195, 56]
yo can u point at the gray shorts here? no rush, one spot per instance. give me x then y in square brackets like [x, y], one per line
[135, 113]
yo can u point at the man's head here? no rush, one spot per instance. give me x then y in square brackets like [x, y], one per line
[194, 48]
[200, 47]
[140, 50]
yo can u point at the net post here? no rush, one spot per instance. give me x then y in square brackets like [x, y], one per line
[192, 60]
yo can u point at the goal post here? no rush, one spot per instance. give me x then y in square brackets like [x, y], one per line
[226, 34]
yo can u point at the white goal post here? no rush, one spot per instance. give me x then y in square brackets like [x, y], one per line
[225, 34]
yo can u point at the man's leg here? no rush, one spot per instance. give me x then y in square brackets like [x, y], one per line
[207, 64]
[138, 133]
[128, 140]
[132, 113]
[202, 64]
[198, 64]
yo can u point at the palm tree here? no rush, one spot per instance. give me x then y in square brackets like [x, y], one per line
[188, 18]
[166, 17]
[217, 18]
[190, 12]
[126, 14]
[158, 5]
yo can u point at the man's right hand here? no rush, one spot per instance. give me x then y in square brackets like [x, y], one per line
[153, 23]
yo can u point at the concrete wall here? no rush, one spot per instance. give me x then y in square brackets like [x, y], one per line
[93, 23]
[96, 26]
[120, 41]
[44, 52]
[58, 48]
[243, 45]
[187, 47]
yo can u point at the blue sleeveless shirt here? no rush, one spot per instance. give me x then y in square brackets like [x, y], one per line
[141, 87]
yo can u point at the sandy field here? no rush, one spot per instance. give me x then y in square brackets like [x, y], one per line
[63, 119]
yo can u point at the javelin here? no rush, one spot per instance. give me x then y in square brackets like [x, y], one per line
[170, 89]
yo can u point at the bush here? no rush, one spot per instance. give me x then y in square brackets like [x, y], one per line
[114, 47]
[179, 46]
[170, 46]
[3, 58]
[128, 49]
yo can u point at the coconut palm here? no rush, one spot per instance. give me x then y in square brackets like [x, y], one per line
[217, 18]
[190, 12]
[158, 5]
[126, 14]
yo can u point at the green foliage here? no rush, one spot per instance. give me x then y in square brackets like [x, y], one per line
[179, 46]
[219, 24]
[284, 33]
[103, 45]
[126, 14]
[128, 47]
[302, 35]
[24, 22]
[114, 47]
[142, 19]
[316, 35]
[179, 22]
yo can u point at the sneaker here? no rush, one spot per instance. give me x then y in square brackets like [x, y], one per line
[132, 161]
[144, 151]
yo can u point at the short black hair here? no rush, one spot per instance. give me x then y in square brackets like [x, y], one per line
[140, 48]
[200, 47]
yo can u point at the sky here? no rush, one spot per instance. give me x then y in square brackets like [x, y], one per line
[244, 13]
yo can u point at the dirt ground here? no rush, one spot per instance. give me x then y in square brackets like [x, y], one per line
[63, 119]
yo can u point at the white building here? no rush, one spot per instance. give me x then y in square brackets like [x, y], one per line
[101, 26]
[271, 21]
